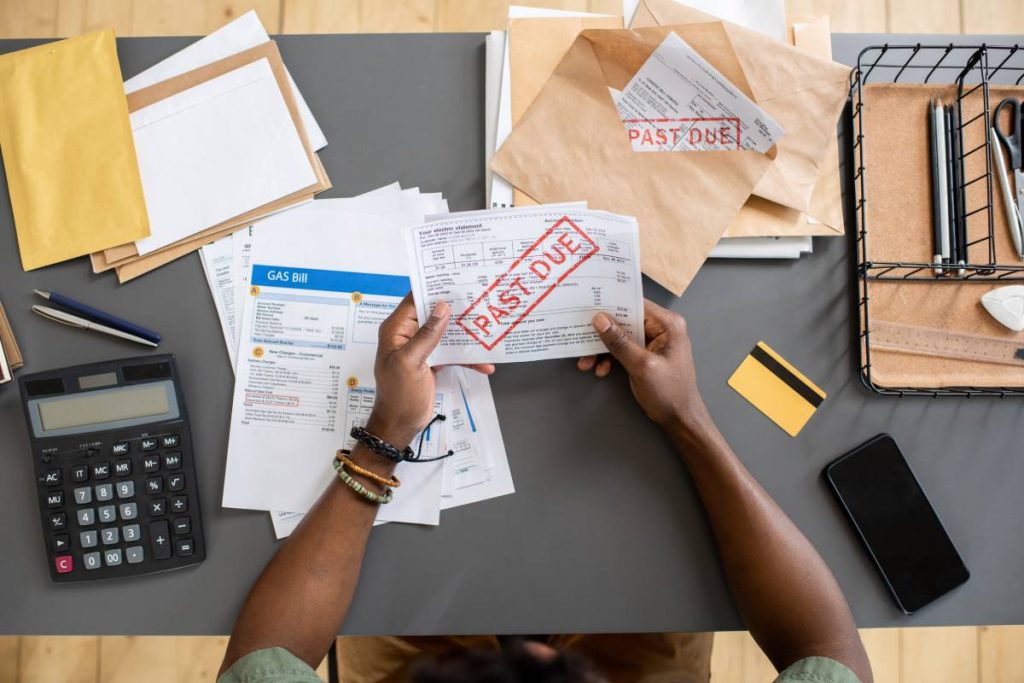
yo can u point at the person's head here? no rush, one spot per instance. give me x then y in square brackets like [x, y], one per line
[526, 662]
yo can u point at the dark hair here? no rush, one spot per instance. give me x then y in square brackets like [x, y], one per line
[512, 665]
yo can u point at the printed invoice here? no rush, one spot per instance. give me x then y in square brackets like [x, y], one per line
[524, 284]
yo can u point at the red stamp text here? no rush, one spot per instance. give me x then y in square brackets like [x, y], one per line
[708, 134]
[543, 266]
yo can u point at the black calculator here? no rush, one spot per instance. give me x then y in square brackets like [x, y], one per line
[115, 475]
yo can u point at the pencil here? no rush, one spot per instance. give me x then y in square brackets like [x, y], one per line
[950, 187]
[959, 188]
[933, 132]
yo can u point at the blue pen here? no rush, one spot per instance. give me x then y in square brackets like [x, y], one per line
[100, 316]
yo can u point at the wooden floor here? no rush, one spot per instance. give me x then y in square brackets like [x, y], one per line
[957, 655]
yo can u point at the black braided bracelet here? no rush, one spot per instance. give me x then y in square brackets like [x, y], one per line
[379, 446]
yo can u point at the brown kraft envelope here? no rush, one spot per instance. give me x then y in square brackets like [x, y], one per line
[536, 46]
[762, 218]
[571, 145]
[803, 93]
[160, 91]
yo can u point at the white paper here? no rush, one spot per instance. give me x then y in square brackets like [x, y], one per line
[762, 247]
[677, 101]
[305, 367]
[217, 264]
[241, 34]
[216, 151]
[764, 16]
[494, 63]
[524, 284]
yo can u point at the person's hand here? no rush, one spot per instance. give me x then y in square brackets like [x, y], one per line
[406, 388]
[662, 375]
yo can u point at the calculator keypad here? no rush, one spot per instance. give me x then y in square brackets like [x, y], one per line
[130, 513]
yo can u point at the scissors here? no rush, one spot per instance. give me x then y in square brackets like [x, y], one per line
[1012, 140]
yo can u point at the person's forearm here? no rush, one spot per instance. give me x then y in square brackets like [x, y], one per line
[300, 600]
[784, 591]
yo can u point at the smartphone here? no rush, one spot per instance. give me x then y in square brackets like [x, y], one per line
[890, 512]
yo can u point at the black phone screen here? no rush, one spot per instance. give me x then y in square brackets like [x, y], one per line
[896, 522]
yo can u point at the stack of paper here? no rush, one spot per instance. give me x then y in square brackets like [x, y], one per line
[300, 296]
[10, 354]
[222, 138]
[530, 52]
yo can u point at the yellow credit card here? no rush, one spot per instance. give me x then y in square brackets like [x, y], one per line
[777, 389]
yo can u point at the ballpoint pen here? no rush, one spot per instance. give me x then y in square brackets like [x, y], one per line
[99, 316]
[65, 318]
[940, 211]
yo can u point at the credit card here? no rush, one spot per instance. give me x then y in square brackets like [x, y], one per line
[777, 389]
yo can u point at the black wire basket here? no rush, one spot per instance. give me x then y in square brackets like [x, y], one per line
[972, 68]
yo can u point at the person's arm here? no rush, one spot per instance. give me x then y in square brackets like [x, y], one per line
[300, 600]
[784, 591]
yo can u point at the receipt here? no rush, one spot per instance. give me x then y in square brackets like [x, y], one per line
[677, 101]
[524, 284]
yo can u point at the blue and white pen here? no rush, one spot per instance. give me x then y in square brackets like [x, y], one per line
[101, 317]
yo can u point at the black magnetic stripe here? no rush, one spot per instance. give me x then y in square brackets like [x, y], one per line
[783, 373]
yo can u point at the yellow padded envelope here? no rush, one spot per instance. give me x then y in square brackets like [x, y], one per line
[68, 150]
[777, 389]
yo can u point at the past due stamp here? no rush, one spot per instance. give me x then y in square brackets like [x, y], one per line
[684, 134]
[544, 265]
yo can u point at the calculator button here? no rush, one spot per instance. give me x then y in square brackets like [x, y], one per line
[80, 473]
[104, 492]
[101, 470]
[83, 495]
[122, 468]
[182, 525]
[61, 542]
[176, 482]
[160, 539]
[134, 554]
[52, 478]
[64, 563]
[148, 444]
[55, 499]
[150, 464]
[172, 461]
[58, 521]
[86, 516]
[125, 489]
[112, 557]
[169, 441]
[157, 507]
[129, 510]
[179, 504]
[110, 535]
[131, 532]
[154, 485]
[107, 513]
[184, 547]
[121, 448]
[91, 560]
[88, 539]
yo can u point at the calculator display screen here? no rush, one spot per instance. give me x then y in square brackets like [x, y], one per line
[102, 407]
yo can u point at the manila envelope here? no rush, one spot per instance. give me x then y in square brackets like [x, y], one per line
[804, 93]
[762, 218]
[68, 150]
[139, 99]
[571, 145]
[536, 46]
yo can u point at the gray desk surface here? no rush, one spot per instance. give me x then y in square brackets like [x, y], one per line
[604, 532]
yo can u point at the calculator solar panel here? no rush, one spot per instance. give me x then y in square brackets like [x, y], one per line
[115, 474]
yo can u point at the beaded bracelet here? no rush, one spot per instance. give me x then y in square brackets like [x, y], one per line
[392, 483]
[377, 445]
[366, 493]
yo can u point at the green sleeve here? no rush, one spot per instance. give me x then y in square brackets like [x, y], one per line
[817, 670]
[272, 665]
